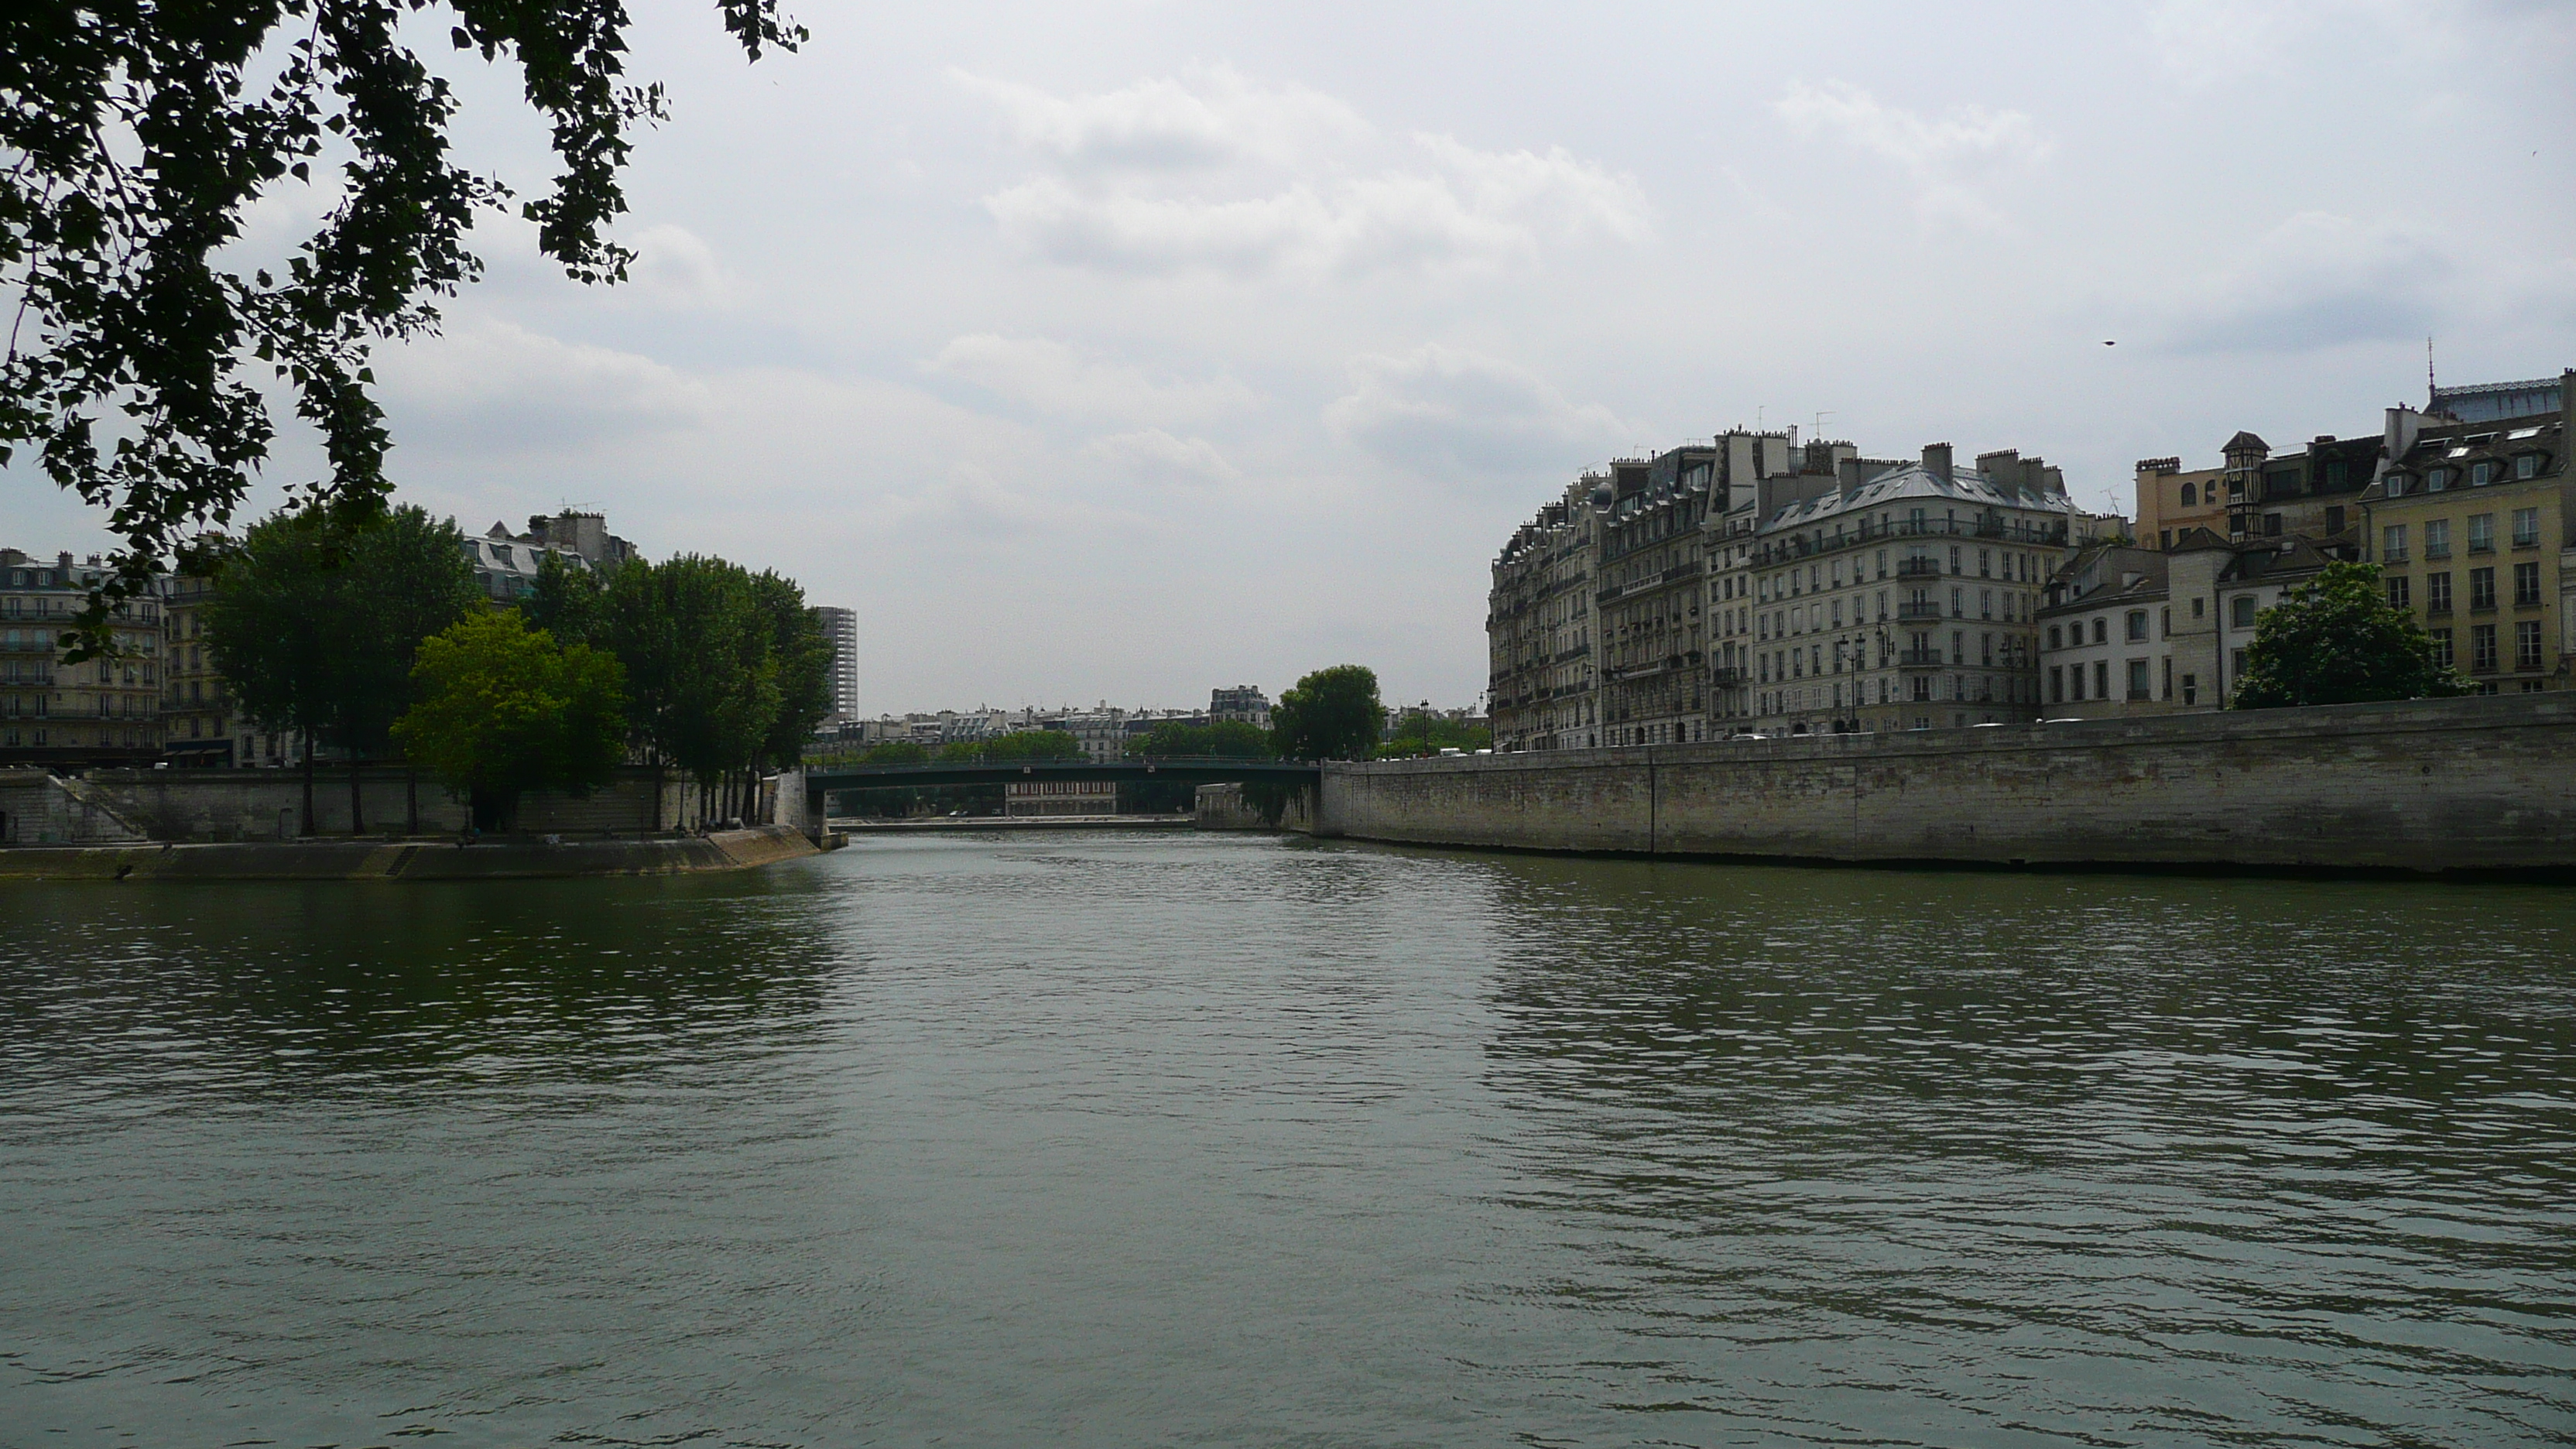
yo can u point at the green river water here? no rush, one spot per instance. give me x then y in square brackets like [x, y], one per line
[1126, 1139]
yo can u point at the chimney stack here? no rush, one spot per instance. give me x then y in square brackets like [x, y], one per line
[1936, 460]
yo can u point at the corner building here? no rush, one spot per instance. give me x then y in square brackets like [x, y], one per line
[1893, 596]
[1538, 626]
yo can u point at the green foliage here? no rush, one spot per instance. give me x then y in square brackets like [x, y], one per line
[505, 709]
[802, 656]
[1331, 714]
[1230, 739]
[314, 623]
[895, 752]
[139, 138]
[1013, 748]
[1422, 732]
[567, 601]
[702, 691]
[2337, 640]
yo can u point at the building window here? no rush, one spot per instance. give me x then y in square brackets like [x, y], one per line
[2056, 684]
[2101, 679]
[2442, 656]
[2392, 543]
[2482, 648]
[2526, 644]
[2526, 585]
[2137, 624]
[2436, 479]
[2526, 528]
[2102, 630]
[2075, 683]
[2482, 588]
[2399, 592]
[2482, 533]
[2138, 680]
[2190, 495]
[2481, 473]
[2054, 642]
[2527, 466]
[2437, 538]
[2437, 593]
[2334, 519]
[2241, 611]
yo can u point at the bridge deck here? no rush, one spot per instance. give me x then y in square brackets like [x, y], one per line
[1180, 770]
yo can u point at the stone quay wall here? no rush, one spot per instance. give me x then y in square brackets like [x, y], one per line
[245, 805]
[2480, 785]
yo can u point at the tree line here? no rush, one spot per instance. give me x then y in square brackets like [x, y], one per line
[371, 634]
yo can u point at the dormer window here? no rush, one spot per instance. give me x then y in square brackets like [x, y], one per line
[2482, 473]
[2436, 479]
[2395, 483]
[2527, 466]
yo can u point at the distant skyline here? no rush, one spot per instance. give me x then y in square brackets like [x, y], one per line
[1130, 353]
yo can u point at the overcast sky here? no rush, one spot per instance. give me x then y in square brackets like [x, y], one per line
[1118, 353]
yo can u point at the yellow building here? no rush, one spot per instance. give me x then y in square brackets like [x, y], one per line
[2470, 524]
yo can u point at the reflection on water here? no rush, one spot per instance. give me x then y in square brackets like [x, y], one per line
[1116, 1140]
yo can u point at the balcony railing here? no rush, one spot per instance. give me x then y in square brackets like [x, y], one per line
[1918, 568]
[1921, 659]
[1918, 609]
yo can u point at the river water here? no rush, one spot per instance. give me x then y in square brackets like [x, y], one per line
[1152, 1140]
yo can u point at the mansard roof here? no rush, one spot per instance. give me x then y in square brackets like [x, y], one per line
[1909, 481]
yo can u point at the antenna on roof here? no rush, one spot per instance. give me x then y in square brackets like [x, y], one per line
[2432, 390]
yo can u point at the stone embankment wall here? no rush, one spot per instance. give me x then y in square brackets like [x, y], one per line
[2469, 784]
[317, 859]
[238, 805]
[1221, 807]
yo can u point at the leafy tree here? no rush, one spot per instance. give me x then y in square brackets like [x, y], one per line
[2336, 640]
[802, 654]
[895, 752]
[1331, 714]
[567, 601]
[1230, 739]
[139, 137]
[270, 625]
[405, 579]
[1422, 732]
[504, 709]
[703, 690]
[315, 620]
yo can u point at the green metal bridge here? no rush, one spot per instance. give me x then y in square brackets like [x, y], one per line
[824, 780]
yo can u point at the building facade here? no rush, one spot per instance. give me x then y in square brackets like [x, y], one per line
[1541, 688]
[103, 712]
[841, 628]
[1905, 596]
[1060, 797]
[1651, 563]
[1241, 704]
[2470, 525]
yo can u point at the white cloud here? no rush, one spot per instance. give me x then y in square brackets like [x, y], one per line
[1209, 117]
[1054, 378]
[1447, 411]
[1944, 160]
[1154, 454]
[676, 268]
[2316, 280]
[491, 386]
[1170, 176]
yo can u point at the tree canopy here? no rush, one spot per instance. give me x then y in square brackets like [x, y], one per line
[2337, 640]
[504, 709]
[141, 136]
[314, 622]
[1331, 714]
[1226, 739]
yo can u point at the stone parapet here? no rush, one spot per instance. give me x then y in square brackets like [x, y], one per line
[2431, 786]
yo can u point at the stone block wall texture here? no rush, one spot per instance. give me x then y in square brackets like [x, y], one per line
[1221, 807]
[237, 805]
[2431, 785]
